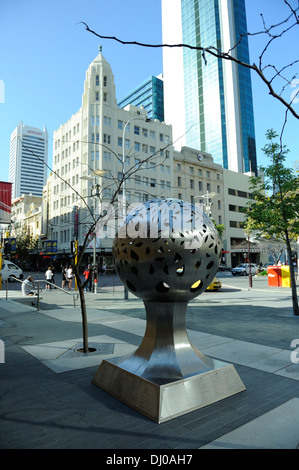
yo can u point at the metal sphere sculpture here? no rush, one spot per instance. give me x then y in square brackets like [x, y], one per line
[167, 250]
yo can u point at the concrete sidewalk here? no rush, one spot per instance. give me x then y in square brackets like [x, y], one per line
[48, 400]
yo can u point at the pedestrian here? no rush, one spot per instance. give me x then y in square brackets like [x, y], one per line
[64, 278]
[49, 276]
[69, 275]
[27, 285]
[53, 277]
[88, 278]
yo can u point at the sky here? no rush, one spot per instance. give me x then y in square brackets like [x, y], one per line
[45, 52]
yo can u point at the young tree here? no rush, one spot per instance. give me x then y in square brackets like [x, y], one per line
[95, 222]
[274, 210]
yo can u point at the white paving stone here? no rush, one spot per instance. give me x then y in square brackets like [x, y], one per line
[55, 355]
[277, 429]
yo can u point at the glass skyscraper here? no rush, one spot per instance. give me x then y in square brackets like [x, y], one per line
[208, 100]
[148, 94]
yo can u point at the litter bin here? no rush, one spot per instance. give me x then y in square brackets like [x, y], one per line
[274, 276]
[285, 276]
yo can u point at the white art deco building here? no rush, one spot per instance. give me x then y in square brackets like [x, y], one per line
[102, 136]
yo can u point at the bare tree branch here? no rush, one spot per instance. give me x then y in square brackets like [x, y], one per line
[271, 32]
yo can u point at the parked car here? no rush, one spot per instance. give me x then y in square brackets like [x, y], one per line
[223, 267]
[215, 285]
[10, 271]
[243, 269]
[265, 266]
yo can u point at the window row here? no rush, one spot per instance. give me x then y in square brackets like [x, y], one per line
[104, 96]
[199, 171]
[236, 192]
[200, 184]
[67, 136]
[97, 80]
[67, 152]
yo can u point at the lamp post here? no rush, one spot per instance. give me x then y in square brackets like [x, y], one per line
[250, 273]
[93, 177]
[250, 239]
[140, 118]
[208, 203]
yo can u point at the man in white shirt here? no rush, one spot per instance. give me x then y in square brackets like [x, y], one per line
[49, 275]
[69, 275]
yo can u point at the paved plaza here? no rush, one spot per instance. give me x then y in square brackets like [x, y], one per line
[49, 402]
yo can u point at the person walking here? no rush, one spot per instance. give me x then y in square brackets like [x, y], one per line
[88, 279]
[49, 276]
[69, 275]
[53, 277]
[64, 278]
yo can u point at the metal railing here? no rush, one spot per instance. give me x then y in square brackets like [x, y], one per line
[39, 290]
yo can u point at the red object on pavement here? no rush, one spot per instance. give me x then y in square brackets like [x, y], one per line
[274, 276]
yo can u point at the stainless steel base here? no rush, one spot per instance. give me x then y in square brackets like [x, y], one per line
[167, 376]
[164, 402]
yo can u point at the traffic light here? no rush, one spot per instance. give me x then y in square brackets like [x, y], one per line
[74, 247]
[7, 248]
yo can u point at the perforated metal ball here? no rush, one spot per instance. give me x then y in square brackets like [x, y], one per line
[166, 250]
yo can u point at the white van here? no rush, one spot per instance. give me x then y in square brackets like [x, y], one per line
[10, 271]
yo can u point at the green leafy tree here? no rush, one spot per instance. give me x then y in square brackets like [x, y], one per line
[274, 210]
[24, 244]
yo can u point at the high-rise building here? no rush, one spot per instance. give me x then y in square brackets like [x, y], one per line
[207, 100]
[148, 94]
[116, 141]
[28, 155]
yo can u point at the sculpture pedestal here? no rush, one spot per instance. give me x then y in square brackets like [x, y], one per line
[167, 376]
[164, 402]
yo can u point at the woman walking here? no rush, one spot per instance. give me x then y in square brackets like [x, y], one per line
[64, 278]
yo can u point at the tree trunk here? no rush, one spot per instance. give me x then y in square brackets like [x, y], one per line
[292, 273]
[83, 312]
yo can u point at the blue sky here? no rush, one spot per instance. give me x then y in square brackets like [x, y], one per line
[45, 53]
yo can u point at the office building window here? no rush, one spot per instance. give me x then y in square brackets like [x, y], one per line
[107, 139]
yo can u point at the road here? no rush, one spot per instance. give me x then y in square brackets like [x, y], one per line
[240, 282]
